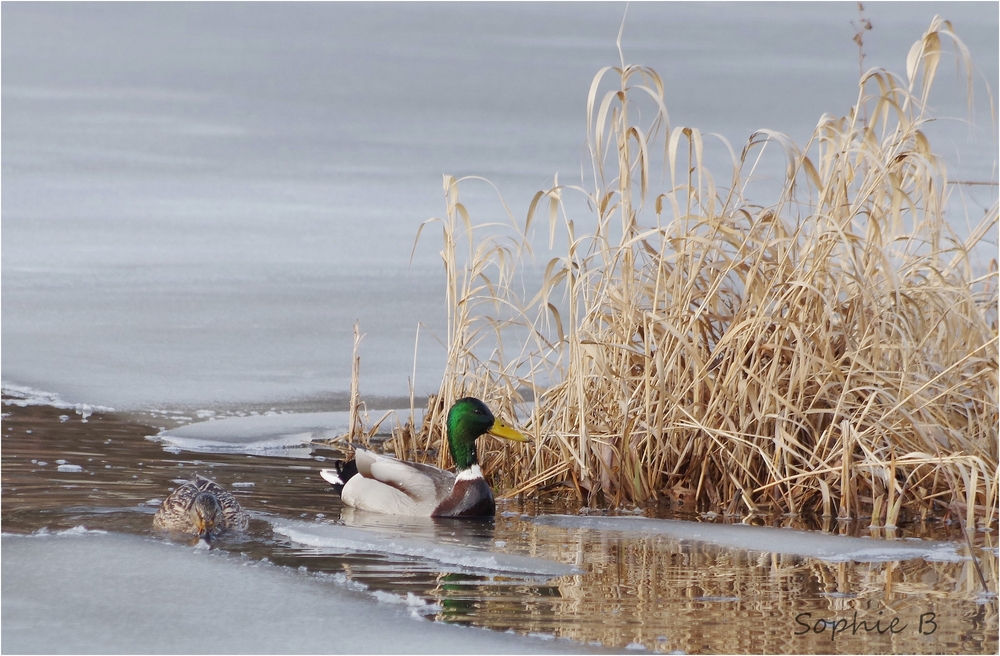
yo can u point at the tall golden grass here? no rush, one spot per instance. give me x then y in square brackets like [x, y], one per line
[833, 352]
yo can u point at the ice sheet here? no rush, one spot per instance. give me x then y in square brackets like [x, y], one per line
[198, 213]
[833, 548]
[109, 593]
[336, 538]
[24, 396]
[287, 435]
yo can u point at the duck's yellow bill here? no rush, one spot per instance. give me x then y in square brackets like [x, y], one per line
[501, 429]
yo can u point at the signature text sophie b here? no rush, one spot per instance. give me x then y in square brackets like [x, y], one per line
[839, 625]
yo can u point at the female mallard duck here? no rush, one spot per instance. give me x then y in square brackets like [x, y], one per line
[201, 507]
[384, 484]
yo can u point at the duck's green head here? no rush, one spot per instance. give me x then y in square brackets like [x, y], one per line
[467, 420]
[206, 514]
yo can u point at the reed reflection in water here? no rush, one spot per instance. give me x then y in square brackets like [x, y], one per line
[666, 595]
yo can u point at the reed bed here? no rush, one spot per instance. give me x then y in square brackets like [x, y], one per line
[833, 351]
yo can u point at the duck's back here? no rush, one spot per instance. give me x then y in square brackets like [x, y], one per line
[172, 515]
[387, 485]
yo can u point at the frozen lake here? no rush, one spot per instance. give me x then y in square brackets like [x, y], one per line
[199, 200]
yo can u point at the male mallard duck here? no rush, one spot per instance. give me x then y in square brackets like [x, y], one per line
[384, 484]
[201, 507]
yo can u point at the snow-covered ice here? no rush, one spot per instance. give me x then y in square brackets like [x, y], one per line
[415, 603]
[286, 435]
[110, 593]
[337, 538]
[282, 435]
[831, 548]
[24, 396]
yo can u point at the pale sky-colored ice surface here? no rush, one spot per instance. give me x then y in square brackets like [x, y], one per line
[337, 538]
[287, 435]
[808, 544]
[199, 200]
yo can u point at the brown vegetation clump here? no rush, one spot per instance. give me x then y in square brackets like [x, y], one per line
[834, 352]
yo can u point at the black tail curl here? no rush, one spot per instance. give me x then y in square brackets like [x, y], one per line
[345, 471]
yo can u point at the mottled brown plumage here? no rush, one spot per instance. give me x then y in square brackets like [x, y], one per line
[201, 507]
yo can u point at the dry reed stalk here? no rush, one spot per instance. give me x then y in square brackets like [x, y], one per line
[831, 348]
[355, 424]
